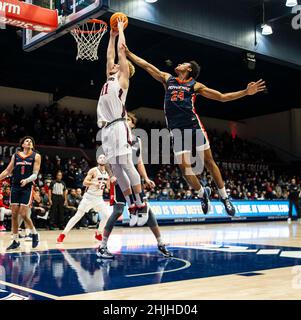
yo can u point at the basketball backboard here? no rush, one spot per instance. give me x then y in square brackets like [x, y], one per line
[70, 12]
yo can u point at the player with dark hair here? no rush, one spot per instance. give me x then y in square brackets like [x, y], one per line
[24, 167]
[180, 95]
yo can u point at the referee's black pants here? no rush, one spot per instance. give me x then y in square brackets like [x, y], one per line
[296, 203]
[57, 210]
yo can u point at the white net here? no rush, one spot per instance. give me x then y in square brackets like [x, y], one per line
[88, 36]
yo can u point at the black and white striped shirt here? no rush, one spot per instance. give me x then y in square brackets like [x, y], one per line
[57, 187]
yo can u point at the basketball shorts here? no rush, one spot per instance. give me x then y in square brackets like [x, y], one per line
[116, 140]
[21, 196]
[190, 140]
[90, 201]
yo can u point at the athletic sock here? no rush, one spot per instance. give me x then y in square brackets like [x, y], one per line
[15, 236]
[201, 192]
[33, 231]
[160, 242]
[129, 199]
[27, 232]
[104, 242]
[223, 193]
[138, 201]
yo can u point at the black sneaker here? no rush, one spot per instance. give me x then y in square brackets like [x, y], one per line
[229, 207]
[104, 253]
[205, 201]
[13, 246]
[35, 240]
[164, 251]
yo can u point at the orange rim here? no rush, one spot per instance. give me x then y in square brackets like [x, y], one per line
[105, 27]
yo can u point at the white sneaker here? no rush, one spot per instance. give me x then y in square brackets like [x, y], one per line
[289, 220]
[142, 214]
[133, 219]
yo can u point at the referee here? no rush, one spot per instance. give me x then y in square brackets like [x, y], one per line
[57, 199]
[294, 200]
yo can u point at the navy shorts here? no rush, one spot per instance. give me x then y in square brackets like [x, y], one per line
[189, 140]
[21, 195]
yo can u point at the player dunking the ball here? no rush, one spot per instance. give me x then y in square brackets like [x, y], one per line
[111, 118]
[24, 167]
[180, 94]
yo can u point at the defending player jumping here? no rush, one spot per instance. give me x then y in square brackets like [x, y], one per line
[180, 95]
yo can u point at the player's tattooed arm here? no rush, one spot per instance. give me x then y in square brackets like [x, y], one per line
[9, 169]
[252, 88]
[151, 69]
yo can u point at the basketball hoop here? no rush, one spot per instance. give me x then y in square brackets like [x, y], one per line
[88, 36]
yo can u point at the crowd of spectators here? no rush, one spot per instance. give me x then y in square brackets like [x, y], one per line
[247, 168]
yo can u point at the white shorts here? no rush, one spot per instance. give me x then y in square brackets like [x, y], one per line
[116, 140]
[92, 202]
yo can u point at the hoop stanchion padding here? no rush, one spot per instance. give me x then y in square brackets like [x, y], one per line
[28, 16]
[88, 36]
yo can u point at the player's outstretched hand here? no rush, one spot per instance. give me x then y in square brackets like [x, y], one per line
[121, 24]
[150, 183]
[255, 87]
[124, 46]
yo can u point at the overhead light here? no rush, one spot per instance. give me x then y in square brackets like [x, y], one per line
[291, 3]
[266, 30]
[150, 1]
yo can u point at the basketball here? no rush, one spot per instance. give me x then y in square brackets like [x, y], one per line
[114, 20]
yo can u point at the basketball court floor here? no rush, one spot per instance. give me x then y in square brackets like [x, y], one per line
[259, 260]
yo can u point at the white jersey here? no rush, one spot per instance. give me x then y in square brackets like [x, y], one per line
[111, 103]
[101, 178]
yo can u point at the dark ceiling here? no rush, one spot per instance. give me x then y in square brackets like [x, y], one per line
[53, 68]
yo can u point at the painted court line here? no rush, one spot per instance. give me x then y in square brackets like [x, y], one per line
[187, 264]
[40, 293]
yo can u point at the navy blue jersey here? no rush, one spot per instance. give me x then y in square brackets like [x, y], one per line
[179, 104]
[23, 168]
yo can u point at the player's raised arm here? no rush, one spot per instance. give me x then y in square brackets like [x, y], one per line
[88, 180]
[122, 60]
[152, 70]
[111, 51]
[252, 88]
[9, 169]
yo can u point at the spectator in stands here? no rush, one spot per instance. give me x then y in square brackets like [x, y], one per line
[38, 207]
[4, 206]
[57, 199]
[72, 204]
[294, 200]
